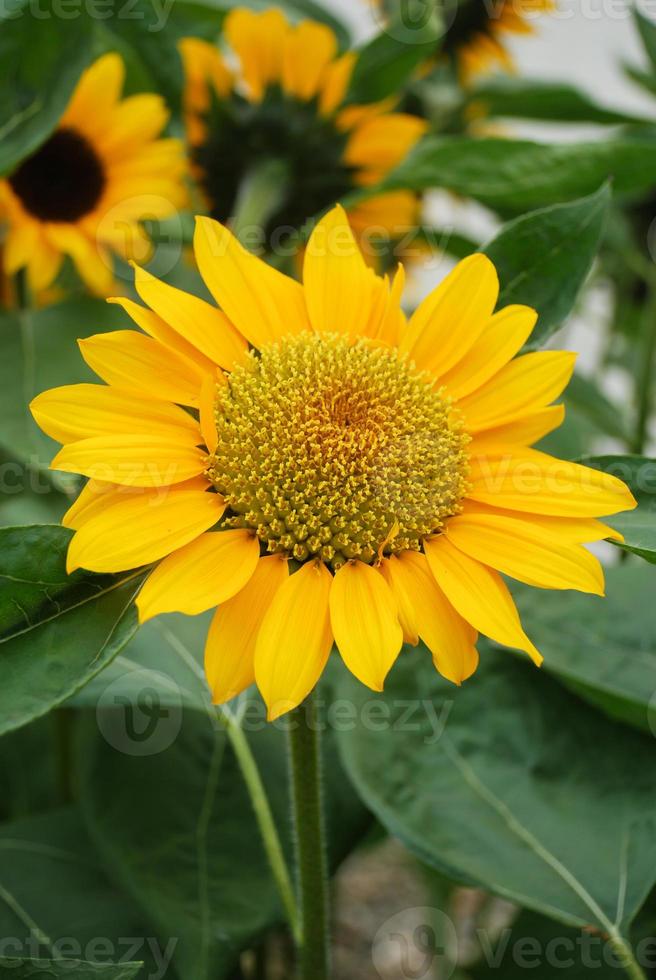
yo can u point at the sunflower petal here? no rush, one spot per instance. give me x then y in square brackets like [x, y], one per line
[81, 411]
[136, 363]
[294, 640]
[209, 570]
[527, 552]
[447, 324]
[523, 431]
[527, 383]
[230, 647]
[145, 460]
[133, 527]
[263, 304]
[365, 622]
[201, 324]
[479, 594]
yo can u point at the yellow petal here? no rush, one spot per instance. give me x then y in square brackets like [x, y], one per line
[200, 575]
[207, 420]
[380, 143]
[341, 291]
[205, 327]
[80, 411]
[135, 121]
[263, 304]
[335, 82]
[294, 640]
[136, 363]
[92, 499]
[398, 583]
[527, 552]
[308, 50]
[258, 41]
[145, 460]
[523, 431]
[96, 94]
[479, 594]
[528, 480]
[365, 622]
[527, 383]
[135, 527]
[505, 335]
[575, 530]
[155, 327]
[447, 635]
[230, 648]
[451, 319]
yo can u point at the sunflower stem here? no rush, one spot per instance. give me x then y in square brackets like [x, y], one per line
[259, 197]
[264, 816]
[308, 822]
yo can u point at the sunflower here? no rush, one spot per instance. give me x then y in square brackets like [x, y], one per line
[85, 190]
[324, 471]
[286, 103]
[477, 29]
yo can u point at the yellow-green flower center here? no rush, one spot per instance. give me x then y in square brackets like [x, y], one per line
[337, 450]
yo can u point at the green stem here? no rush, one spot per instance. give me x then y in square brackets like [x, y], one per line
[260, 195]
[644, 387]
[625, 954]
[309, 831]
[263, 815]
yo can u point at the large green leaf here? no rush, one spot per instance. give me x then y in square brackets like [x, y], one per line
[499, 783]
[528, 98]
[605, 648]
[543, 258]
[56, 631]
[40, 351]
[543, 949]
[638, 526]
[42, 55]
[518, 175]
[178, 828]
[387, 61]
[56, 901]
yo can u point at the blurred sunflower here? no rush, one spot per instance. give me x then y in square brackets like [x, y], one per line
[336, 473]
[286, 103]
[85, 190]
[477, 31]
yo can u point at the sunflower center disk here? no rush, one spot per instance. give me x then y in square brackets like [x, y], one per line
[338, 451]
[62, 181]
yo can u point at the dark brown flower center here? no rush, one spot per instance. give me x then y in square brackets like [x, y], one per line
[62, 181]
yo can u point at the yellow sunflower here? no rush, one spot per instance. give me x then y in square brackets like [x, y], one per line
[477, 30]
[85, 190]
[286, 102]
[324, 471]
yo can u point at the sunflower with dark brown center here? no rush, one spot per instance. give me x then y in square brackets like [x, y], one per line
[84, 192]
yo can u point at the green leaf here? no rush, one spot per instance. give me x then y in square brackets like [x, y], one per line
[144, 28]
[543, 258]
[56, 631]
[647, 32]
[42, 58]
[638, 526]
[40, 351]
[178, 828]
[524, 98]
[518, 175]
[495, 784]
[544, 949]
[584, 396]
[604, 648]
[56, 901]
[22, 969]
[389, 59]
